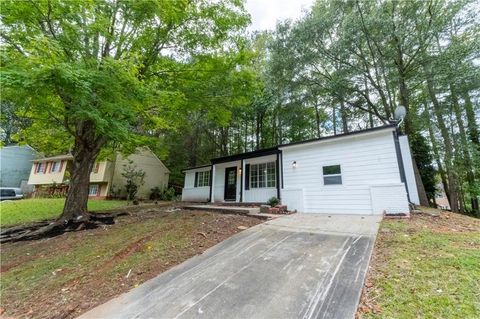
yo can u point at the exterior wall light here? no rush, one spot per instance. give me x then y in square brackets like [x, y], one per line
[294, 164]
[240, 171]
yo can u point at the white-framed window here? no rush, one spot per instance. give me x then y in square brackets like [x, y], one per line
[263, 175]
[55, 167]
[93, 190]
[202, 179]
[332, 175]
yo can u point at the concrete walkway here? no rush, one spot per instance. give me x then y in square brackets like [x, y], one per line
[226, 209]
[297, 266]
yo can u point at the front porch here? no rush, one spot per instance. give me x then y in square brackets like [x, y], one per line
[251, 178]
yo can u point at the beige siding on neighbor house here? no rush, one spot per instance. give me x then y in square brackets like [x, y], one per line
[110, 173]
[156, 173]
[103, 174]
[49, 177]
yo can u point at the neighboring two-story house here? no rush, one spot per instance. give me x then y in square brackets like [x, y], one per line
[50, 175]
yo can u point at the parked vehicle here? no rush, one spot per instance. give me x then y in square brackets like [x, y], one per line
[10, 193]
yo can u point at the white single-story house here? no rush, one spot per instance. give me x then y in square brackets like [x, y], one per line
[363, 172]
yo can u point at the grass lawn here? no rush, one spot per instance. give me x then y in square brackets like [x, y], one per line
[35, 209]
[425, 267]
[67, 275]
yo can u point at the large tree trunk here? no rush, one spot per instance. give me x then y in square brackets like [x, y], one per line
[404, 96]
[85, 151]
[436, 153]
[77, 195]
[317, 119]
[343, 113]
[465, 151]
[472, 124]
[452, 179]
[334, 120]
[403, 90]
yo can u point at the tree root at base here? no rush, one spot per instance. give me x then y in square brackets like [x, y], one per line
[47, 229]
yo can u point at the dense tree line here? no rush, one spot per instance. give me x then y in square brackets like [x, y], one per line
[186, 79]
[346, 65]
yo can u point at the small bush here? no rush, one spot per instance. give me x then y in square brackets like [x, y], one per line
[168, 194]
[273, 201]
[156, 193]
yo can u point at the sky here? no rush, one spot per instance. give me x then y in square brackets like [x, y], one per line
[265, 13]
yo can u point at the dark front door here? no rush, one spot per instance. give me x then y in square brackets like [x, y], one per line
[230, 183]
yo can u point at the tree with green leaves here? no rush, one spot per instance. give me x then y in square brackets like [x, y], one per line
[103, 71]
[359, 60]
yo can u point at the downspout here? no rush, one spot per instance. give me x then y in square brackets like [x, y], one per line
[401, 168]
[241, 180]
[281, 166]
[211, 182]
[212, 185]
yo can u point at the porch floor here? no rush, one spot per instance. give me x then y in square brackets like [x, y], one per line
[250, 211]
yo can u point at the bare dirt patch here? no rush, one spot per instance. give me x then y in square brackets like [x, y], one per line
[64, 276]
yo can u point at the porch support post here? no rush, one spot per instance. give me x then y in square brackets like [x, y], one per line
[242, 172]
[212, 185]
[277, 170]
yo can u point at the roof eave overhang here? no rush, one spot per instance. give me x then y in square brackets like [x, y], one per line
[386, 128]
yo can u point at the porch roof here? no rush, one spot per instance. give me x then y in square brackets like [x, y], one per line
[196, 167]
[236, 157]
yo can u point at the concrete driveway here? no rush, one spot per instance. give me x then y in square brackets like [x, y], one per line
[298, 266]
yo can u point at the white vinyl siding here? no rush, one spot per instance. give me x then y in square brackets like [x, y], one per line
[365, 160]
[192, 193]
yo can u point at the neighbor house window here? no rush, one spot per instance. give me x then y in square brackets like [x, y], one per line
[202, 179]
[96, 167]
[263, 175]
[41, 166]
[55, 167]
[332, 175]
[93, 190]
